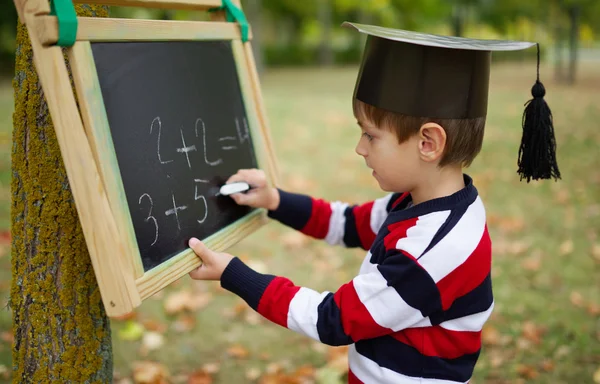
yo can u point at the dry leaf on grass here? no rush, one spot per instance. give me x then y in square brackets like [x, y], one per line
[294, 240]
[576, 299]
[186, 300]
[252, 373]
[597, 376]
[237, 351]
[566, 247]
[533, 332]
[490, 335]
[184, 323]
[596, 252]
[151, 341]
[149, 372]
[200, 377]
[527, 371]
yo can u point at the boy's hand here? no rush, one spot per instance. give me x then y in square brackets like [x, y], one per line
[213, 263]
[261, 195]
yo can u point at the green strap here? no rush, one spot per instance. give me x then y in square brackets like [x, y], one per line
[67, 21]
[233, 13]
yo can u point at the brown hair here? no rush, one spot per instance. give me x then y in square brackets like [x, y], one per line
[464, 137]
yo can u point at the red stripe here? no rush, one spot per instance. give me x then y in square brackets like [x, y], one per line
[439, 342]
[318, 223]
[398, 231]
[356, 319]
[469, 274]
[400, 199]
[362, 218]
[352, 379]
[275, 301]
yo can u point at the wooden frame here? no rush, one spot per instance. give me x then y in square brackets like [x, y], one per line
[86, 145]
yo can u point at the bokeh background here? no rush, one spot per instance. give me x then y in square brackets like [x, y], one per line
[546, 325]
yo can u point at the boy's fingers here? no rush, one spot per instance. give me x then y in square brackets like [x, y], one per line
[199, 248]
[199, 273]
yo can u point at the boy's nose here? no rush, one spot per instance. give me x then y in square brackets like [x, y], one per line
[360, 150]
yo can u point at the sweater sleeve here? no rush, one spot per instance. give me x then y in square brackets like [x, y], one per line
[337, 223]
[392, 296]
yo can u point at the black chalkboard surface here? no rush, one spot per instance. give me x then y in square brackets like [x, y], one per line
[179, 129]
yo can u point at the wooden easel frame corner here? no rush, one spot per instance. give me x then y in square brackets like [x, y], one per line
[86, 146]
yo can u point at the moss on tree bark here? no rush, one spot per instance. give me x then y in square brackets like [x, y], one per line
[61, 332]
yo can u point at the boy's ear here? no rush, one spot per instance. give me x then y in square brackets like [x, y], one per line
[432, 142]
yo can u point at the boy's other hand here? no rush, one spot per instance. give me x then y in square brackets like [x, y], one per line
[213, 263]
[260, 195]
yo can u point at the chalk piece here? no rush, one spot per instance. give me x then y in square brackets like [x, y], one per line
[230, 189]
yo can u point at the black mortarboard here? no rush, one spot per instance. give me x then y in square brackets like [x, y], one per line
[446, 77]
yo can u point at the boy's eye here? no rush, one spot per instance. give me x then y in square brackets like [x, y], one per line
[369, 137]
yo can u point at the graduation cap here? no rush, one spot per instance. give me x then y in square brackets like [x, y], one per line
[447, 77]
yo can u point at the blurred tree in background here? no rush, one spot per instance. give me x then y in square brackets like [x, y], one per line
[291, 32]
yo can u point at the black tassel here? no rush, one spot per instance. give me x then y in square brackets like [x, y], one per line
[537, 153]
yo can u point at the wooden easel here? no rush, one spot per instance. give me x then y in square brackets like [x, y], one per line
[82, 133]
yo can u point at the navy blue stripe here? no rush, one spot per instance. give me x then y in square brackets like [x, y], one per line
[294, 209]
[245, 282]
[455, 215]
[329, 323]
[392, 354]
[411, 281]
[351, 238]
[478, 300]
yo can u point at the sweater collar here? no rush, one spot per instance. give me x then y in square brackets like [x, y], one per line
[466, 195]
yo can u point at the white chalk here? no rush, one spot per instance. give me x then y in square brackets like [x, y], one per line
[230, 189]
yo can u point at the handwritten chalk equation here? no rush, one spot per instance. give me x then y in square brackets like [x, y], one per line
[197, 143]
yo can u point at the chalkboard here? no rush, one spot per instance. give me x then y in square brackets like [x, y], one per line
[179, 129]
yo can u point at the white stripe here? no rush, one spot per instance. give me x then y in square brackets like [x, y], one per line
[456, 246]
[367, 266]
[303, 312]
[369, 372]
[379, 212]
[383, 302]
[470, 323]
[420, 235]
[337, 223]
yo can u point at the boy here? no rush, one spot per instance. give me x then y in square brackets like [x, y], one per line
[415, 311]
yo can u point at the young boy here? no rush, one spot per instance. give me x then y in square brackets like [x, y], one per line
[415, 311]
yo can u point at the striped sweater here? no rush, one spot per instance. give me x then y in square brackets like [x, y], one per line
[415, 311]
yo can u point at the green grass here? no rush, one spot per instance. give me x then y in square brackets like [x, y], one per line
[546, 325]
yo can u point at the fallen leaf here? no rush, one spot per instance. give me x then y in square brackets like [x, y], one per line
[131, 331]
[527, 371]
[596, 252]
[338, 359]
[566, 247]
[490, 335]
[211, 368]
[532, 332]
[562, 351]
[7, 337]
[304, 372]
[562, 196]
[593, 309]
[237, 351]
[149, 372]
[273, 368]
[597, 376]
[576, 299]
[155, 326]
[252, 373]
[184, 323]
[5, 237]
[177, 302]
[547, 365]
[199, 377]
[294, 240]
[532, 264]
[152, 341]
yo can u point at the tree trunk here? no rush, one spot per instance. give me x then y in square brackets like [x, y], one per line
[559, 62]
[458, 19]
[324, 17]
[61, 332]
[255, 11]
[574, 13]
